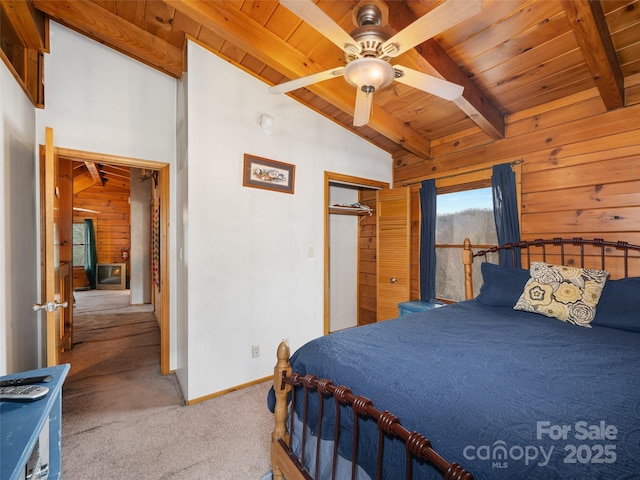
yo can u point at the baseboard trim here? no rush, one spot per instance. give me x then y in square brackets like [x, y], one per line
[228, 390]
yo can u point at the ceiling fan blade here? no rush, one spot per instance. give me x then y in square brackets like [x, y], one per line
[314, 16]
[363, 108]
[308, 80]
[431, 24]
[427, 83]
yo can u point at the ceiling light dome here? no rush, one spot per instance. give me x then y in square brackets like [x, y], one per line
[369, 73]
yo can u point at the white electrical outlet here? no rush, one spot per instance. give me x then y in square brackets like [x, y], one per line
[255, 351]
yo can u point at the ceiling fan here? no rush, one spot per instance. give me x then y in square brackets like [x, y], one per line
[370, 47]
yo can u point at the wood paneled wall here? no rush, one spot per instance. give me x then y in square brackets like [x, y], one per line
[367, 262]
[112, 229]
[580, 170]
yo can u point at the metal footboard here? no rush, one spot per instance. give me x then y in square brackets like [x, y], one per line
[416, 445]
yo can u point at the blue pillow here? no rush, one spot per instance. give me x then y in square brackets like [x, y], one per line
[502, 286]
[619, 305]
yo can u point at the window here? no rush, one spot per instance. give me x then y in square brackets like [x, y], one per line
[79, 236]
[460, 215]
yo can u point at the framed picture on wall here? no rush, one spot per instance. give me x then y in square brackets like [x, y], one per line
[268, 174]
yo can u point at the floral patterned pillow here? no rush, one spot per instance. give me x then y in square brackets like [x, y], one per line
[569, 294]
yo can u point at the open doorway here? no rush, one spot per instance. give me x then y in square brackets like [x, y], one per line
[113, 242]
[111, 187]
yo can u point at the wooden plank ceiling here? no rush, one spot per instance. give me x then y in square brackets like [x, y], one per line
[90, 174]
[512, 56]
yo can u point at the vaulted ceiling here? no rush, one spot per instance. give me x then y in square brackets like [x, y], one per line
[512, 56]
[89, 174]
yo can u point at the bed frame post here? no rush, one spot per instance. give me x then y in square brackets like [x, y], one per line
[281, 389]
[467, 260]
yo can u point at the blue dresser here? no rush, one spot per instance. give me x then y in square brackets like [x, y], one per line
[406, 308]
[30, 431]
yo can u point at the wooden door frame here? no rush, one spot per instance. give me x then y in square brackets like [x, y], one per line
[339, 178]
[163, 191]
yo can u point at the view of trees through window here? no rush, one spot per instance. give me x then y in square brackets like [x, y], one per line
[78, 244]
[460, 215]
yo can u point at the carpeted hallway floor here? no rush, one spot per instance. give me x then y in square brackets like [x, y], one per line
[122, 419]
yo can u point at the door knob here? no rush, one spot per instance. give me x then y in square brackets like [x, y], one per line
[392, 280]
[50, 306]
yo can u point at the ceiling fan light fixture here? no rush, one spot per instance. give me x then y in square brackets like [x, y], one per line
[369, 74]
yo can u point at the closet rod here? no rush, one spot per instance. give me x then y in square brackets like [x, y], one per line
[515, 162]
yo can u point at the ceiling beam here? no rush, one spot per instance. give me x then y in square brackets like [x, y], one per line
[27, 22]
[431, 58]
[125, 178]
[590, 29]
[241, 30]
[82, 182]
[95, 174]
[100, 24]
[110, 171]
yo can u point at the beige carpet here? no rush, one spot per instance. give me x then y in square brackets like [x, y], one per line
[122, 419]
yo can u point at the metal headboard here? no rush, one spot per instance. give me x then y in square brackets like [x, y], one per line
[526, 248]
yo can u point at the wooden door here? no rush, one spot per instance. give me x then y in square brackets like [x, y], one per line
[392, 250]
[56, 272]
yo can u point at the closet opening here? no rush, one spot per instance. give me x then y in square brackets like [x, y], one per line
[350, 251]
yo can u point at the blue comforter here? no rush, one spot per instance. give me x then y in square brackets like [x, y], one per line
[508, 395]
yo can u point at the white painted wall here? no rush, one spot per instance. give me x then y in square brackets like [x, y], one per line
[250, 281]
[139, 269]
[343, 261]
[99, 100]
[19, 329]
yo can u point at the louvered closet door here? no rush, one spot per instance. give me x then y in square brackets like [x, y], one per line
[393, 250]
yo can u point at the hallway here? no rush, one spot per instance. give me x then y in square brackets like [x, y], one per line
[122, 419]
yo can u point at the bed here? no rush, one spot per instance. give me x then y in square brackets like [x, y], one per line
[507, 385]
